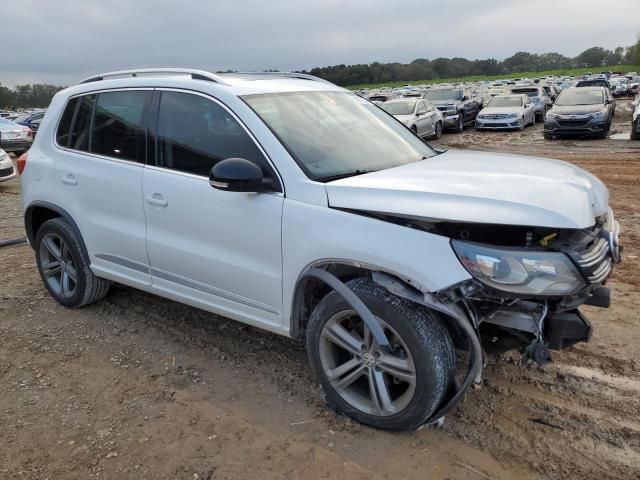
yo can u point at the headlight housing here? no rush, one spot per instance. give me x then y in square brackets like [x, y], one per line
[523, 272]
[597, 115]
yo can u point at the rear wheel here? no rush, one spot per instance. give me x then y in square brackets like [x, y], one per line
[397, 389]
[64, 268]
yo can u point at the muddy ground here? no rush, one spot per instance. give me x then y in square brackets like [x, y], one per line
[141, 387]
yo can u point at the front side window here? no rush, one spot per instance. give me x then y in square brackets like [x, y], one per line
[337, 134]
[119, 128]
[195, 133]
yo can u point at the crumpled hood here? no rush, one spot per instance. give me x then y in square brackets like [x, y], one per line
[480, 187]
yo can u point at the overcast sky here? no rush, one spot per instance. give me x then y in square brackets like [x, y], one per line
[61, 41]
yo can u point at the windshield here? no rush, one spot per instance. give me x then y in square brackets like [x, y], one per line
[399, 108]
[444, 94]
[337, 134]
[505, 102]
[23, 117]
[580, 96]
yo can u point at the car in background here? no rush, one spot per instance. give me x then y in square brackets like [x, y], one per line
[633, 85]
[507, 112]
[30, 119]
[14, 138]
[458, 106]
[538, 96]
[418, 115]
[7, 170]
[580, 111]
[619, 87]
[635, 120]
[381, 97]
[552, 91]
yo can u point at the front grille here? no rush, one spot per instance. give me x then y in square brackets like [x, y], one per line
[5, 172]
[596, 262]
[573, 123]
[496, 115]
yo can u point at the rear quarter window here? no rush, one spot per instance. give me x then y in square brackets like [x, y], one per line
[64, 126]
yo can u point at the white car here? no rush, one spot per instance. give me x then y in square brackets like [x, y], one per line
[635, 120]
[293, 205]
[420, 116]
[7, 170]
[506, 112]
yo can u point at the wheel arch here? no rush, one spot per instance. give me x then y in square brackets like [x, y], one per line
[309, 291]
[39, 212]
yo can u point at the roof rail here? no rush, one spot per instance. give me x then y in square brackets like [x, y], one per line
[304, 76]
[195, 74]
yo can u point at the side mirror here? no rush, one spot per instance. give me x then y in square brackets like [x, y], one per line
[238, 175]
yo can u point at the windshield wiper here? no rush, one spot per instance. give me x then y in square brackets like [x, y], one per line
[339, 176]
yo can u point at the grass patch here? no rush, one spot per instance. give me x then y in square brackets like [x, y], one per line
[479, 78]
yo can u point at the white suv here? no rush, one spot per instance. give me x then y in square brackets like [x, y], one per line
[293, 205]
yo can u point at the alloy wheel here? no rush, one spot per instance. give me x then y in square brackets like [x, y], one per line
[373, 380]
[57, 265]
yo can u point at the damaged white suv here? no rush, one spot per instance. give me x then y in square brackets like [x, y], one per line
[293, 205]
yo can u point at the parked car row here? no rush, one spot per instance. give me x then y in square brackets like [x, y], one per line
[583, 105]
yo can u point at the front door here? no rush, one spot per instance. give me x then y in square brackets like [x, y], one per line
[215, 249]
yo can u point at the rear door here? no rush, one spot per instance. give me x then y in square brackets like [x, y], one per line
[102, 143]
[213, 249]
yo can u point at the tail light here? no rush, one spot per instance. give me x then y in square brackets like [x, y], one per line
[22, 162]
[29, 133]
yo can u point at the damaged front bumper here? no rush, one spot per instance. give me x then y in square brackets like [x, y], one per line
[536, 324]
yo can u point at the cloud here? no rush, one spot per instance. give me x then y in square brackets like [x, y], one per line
[61, 41]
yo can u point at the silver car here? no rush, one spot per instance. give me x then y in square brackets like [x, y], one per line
[538, 97]
[7, 170]
[420, 116]
[14, 137]
[505, 112]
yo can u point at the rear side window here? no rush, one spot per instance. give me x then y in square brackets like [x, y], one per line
[64, 127]
[80, 128]
[119, 128]
[195, 133]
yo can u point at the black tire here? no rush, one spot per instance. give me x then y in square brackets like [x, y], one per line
[88, 287]
[425, 337]
[548, 136]
[460, 124]
[635, 135]
[438, 131]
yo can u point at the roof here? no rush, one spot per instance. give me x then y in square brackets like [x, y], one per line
[237, 83]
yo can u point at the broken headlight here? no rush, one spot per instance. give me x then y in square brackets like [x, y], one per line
[520, 271]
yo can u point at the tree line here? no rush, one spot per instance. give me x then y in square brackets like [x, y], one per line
[40, 95]
[440, 68]
[27, 96]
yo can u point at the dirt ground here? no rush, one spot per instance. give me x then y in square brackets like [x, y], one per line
[141, 387]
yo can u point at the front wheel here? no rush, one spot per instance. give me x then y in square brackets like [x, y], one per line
[396, 389]
[460, 124]
[438, 130]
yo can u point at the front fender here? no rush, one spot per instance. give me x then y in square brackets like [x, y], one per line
[313, 235]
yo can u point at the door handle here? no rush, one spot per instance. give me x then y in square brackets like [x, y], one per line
[157, 200]
[69, 179]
